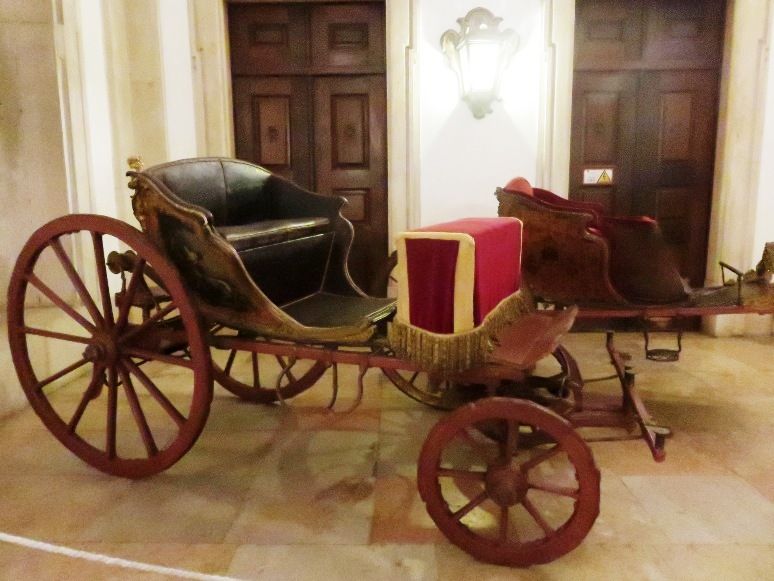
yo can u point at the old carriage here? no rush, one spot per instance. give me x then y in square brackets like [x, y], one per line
[620, 267]
[240, 277]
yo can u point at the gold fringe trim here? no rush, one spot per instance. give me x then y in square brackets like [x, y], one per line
[447, 354]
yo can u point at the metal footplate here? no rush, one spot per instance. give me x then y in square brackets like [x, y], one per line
[661, 354]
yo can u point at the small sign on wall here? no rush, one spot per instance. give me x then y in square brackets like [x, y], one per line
[600, 176]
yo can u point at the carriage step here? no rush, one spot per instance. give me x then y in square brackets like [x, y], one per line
[661, 353]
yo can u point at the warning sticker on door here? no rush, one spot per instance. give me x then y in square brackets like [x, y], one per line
[598, 176]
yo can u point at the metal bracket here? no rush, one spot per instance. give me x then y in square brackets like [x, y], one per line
[739, 276]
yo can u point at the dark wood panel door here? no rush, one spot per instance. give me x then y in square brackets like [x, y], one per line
[350, 161]
[644, 121]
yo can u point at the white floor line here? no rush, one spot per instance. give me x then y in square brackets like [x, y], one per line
[107, 560]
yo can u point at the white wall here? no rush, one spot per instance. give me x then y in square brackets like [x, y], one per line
[743, 189]
[32, 176]
[464, 159]
[764, 215]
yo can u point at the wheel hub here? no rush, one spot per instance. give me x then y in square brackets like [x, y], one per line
[103, 350]
[506, 484]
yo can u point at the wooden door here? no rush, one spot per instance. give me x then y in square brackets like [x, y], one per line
[310, 104]
[645, 106]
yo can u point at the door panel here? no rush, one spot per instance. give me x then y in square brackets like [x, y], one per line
[604, 127]
[677, 119]
[684, 32]
[607, 34]
[350, 161]
[348, 38]
[271, 119]
[641, 34]
[268, 39]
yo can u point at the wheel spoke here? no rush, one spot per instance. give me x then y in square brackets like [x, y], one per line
[153, 355]
[77, 282]
[61, 373]
[56, 335]
[126, 300]
[102, 279]
[59, 302]
[535, 514]
[460, 514]
[559, 490]
[155, 392]
[413, 378]
[462, 474]
[112, 413]
[134, 331]
[230, 362]
[256, 372]
[139, 416]
[511, 443]
[88, 396]
[542, 457]
[504, 513]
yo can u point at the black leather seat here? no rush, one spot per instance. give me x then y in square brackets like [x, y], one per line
[293, 243]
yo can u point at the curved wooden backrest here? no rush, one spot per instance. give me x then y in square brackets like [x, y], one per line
[563, 259]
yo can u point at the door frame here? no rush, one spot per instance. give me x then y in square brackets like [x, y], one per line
[210, 28]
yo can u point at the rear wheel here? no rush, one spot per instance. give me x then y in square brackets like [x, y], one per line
[262, 378]
[128, 393]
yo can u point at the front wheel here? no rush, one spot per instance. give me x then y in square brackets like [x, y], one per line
[526, 497]
[127, 393]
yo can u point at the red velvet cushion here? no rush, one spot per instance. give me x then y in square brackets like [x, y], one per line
[431, 268]
[497, 268]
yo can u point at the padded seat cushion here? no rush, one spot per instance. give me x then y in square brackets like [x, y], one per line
[265, 232]
[330, 310]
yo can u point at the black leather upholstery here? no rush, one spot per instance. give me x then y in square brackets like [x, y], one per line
[293, 242]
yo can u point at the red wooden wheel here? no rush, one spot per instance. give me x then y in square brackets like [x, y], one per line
[110, 385]
[504, 502]
[253, 377]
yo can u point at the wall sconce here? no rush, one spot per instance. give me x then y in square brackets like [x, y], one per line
[479, 53]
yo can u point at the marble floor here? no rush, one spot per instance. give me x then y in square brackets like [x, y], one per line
[300, 493]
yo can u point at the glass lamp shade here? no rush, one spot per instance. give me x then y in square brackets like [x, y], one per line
[479, 54]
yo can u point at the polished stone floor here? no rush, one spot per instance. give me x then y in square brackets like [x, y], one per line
[300, 493]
